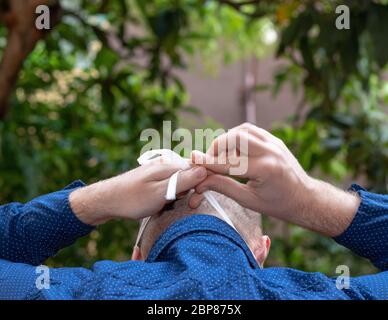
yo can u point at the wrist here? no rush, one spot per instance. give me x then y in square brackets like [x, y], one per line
[330, 209]
[327, 209]
[88, 205]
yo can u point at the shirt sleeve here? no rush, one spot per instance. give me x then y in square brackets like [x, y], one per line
[367, 235]
[20, 281]
[32, 232]
[292, 284]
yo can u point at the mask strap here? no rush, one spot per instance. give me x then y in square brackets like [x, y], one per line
[143, 225]
[171, 188]
[215, 204]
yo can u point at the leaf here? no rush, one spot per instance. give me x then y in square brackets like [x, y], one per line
[106, 58]
[298, 27]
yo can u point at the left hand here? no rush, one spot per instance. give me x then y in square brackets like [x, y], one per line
[134, 194]
[277, 184]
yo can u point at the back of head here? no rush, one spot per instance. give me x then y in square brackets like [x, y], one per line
[247, 222]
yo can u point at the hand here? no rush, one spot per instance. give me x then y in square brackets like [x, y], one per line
[277, 184]
[132, 195]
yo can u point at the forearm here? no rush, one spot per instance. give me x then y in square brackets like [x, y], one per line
[323, 208]
[135, 194]
[107, 199]
[356, 219]
[89, 204]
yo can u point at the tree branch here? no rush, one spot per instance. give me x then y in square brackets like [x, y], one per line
[21, 40]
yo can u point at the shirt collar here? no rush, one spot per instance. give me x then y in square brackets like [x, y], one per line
[199, 223]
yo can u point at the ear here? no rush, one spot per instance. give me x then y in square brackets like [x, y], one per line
[262, 250]
[136, 254]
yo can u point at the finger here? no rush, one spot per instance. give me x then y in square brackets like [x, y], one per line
[261, 134]
[237, 140]
[211, 163]
[226, 186]
[161, 168]
[209, 172]
[228, 141]
[189, 179]
[232, 165]
[195, 200]
[256, 131]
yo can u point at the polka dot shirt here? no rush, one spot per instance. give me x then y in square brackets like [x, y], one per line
[198, 257]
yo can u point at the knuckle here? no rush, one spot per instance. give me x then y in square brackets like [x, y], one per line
[246, 125]
[262, 131]
[276, 152]
[270, 165]
[244, 128]
[263, 134]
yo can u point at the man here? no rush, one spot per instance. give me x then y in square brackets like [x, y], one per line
[32, 232]
[202, 257]
[246, 222]
[173, 277]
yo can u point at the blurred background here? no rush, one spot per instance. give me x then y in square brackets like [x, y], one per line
[74, 99]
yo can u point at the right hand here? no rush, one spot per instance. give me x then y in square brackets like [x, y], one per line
[277, 184]
[135, 194]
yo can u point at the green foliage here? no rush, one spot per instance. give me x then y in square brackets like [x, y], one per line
[224, 36]
[84, 95]
[343, 132]
[81, 104]
[340, 128]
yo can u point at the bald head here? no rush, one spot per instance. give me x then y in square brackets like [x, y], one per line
[247, 222]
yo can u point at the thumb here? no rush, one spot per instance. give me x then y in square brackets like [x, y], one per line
[189, 179]
[209, 162]
[229, 187]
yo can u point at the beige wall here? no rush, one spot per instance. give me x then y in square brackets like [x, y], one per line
[220, 96]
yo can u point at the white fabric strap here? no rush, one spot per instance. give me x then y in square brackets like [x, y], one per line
[169, 154]
[215, 204]
[171, 188]
[143, 224]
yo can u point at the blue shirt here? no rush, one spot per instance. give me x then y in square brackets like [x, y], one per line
[198, 257]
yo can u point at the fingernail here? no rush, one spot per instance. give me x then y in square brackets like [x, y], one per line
[197, 157]
[194, 156]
